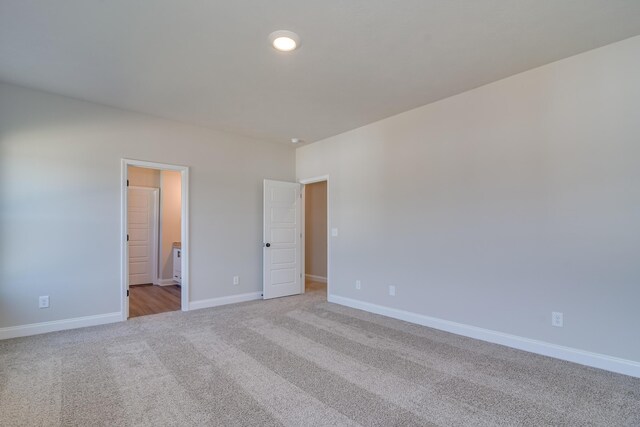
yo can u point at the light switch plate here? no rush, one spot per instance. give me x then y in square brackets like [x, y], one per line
[334, 232]
[43, 301]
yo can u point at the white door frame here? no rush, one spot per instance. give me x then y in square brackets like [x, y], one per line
[156, 227]
[184, 231]
[304, 182]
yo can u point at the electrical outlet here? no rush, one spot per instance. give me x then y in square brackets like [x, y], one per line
[392, 290]
[358, 284]
[557, 319]
[236, 280]
[43, 301]
[334, 232]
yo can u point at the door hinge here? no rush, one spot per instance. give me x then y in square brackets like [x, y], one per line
[127, 292]
[127, 237]
[301, 195]
[127, 183]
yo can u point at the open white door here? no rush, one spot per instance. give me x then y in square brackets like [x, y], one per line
[282, 248]
[142, 214]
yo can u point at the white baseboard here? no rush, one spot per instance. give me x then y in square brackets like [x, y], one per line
[166, 282]
[315, 278]
[595, 360]
[58, 325]
[231, 299]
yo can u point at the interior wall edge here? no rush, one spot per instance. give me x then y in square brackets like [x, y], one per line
[231, 299]
[315, 278]
[59, 325]
[569, 354]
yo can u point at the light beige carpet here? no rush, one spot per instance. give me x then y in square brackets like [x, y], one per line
[296, 361]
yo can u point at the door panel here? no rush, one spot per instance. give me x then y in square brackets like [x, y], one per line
[282, 243]
[283, 215]
[142, 216]
[283, 256]
[283, 236]
[138, 251]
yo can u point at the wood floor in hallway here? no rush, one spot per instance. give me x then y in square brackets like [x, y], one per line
[151, 299]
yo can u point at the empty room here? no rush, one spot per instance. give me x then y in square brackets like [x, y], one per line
[320, 213]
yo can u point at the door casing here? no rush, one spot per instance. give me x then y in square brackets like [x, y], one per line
[304, 182]
[184, 229]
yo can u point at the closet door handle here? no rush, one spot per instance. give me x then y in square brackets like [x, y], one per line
[268, 245]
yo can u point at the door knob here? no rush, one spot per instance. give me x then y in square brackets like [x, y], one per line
[268, 245]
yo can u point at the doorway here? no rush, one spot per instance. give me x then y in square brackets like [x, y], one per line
[284, 238]
[154, 245]
[315, 238]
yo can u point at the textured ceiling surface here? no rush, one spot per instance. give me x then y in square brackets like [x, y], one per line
[210, 63]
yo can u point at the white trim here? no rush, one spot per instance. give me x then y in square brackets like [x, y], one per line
[314, 179]
[304, 182]
[184, 239]
[124, 248]
[315, 278]
[58, 325]
[231, 299]
[303, 238]
[160, 248]
[583, 357]
[167, 282]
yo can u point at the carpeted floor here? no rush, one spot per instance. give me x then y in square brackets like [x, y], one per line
[296, 361]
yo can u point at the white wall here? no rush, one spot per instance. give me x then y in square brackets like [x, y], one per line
[60, 203]
[496, 207]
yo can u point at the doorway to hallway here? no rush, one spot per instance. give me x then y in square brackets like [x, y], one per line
[315, 237]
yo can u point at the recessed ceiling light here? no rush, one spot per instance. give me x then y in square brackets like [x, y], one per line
[296, 140]
[284, 41]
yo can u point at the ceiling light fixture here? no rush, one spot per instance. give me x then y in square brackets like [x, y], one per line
[296, 140]
[284, 41]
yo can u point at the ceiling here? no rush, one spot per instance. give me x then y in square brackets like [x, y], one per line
[210, 63]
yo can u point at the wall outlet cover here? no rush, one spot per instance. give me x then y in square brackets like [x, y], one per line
[557, 319]
[236, 280]
[392, 290]
[43, 301]
[358, 284]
